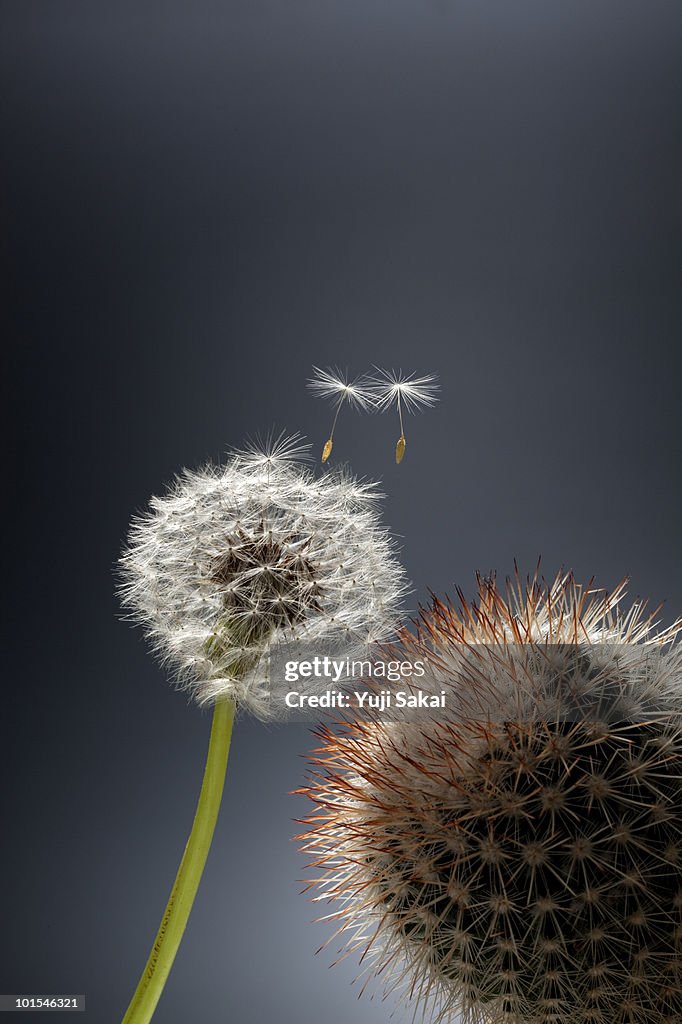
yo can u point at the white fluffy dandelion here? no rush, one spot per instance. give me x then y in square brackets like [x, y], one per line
[520, 860]
[409, 392]
[240, 563]
[335, 385]
[232, 571]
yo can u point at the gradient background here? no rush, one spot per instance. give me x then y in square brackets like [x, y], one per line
[199, 201]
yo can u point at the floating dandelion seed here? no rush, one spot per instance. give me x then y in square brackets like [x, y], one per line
[225, 572]
[519, 861]
[392, 387]
[331, 383]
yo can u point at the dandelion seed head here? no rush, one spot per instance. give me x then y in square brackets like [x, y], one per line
[516, 860]
[238, 567]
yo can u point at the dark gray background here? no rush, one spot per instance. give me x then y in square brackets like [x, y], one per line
[198, 202]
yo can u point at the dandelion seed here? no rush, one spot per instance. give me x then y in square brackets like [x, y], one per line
[273, 450]
[412, 393]
[516, 861]
[332, 383]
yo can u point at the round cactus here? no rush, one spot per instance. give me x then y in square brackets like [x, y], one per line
[518, 860]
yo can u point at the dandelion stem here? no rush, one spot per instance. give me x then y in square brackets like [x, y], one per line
[172, 927]
[400, 447]
[338, 410]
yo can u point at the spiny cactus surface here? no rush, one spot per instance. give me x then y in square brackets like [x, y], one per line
[520, 860]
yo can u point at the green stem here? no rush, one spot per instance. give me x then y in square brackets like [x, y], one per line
[172, 927]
